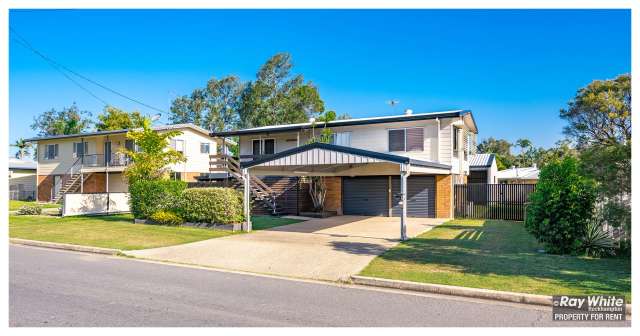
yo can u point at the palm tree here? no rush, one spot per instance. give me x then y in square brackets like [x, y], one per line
[23, 148]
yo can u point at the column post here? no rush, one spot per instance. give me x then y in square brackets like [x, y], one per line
[247, 200]
[404, 173]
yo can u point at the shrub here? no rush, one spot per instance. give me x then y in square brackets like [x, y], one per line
[150, 196]
[212, 205]
[30, 210]
[596, 242]
[163, 217]
[561, 207]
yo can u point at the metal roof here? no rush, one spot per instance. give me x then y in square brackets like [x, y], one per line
[22, 164]
[155, 128]
[347, 122]
[523, 173]
[360, 155]
[481, 160]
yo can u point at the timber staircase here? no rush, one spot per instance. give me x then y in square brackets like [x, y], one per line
[260, 192]
[73, 178]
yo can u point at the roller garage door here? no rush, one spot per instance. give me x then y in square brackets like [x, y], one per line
[366, 196]
[421, 196]
[369, 196]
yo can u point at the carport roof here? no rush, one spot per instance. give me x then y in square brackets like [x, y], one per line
[373, 156]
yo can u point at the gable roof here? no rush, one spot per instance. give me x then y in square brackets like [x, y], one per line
[155, 128]
[523, 173]
[350, 122]
[375, 156]
[481, 160]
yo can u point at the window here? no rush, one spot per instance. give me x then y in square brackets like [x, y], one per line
[130, 145]
[269, 146]
[178, 145]
[255, 145]
[341, 139]
[406, 139]
[456, 140]
[204, 147]
[80, 149]
[176, 176]
[51, 152]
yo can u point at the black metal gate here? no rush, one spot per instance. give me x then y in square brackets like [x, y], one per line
[492, 201]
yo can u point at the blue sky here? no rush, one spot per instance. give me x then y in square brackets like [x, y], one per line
[513, 68]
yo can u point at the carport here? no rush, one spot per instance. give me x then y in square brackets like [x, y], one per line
[320, 159]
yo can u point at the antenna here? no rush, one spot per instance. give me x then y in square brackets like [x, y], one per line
[393, 103]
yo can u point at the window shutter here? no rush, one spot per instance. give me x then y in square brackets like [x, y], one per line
[415, 139]
[55, 151]
[396, 140]
[269, 146]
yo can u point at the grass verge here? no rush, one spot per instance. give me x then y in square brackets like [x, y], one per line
[15, 205]
[498, 255]
[268, 222]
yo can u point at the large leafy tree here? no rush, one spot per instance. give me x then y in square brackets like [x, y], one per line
[69, 120]
[152, 155]
[501, 148]
[599, 121]
[113, 118]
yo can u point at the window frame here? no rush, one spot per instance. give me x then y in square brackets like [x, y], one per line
[208, 145]
[334, 136]
[261, 150]
[404, 129]
[84, 150]
[55, 151]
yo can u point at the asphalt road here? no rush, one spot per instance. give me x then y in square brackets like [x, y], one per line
[59, 288]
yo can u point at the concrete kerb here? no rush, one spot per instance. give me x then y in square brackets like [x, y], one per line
[477, 293]
[68, 247]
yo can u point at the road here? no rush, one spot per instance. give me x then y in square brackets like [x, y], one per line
[60, 288]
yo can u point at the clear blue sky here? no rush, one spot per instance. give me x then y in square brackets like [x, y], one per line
[514, 69]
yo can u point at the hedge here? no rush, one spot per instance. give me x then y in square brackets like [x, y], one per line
[150, 196]
[211, 205]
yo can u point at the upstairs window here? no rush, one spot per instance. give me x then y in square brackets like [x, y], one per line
[205, 147]
[263, 147]
[406, 139]
[178, 145]
[80, 149]
[51, 152]
[456, 141]
[341, 139]
[269, 146]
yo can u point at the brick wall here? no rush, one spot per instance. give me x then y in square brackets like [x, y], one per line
[190, 177]
[45, 184]
[444, 196]
[333, 200]
[96, 182]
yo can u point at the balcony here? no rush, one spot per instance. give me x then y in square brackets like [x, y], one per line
[102, 162]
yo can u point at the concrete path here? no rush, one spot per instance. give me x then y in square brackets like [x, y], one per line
[325, 249]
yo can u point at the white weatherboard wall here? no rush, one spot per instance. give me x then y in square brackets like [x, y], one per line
[95, 203]
[197, 162]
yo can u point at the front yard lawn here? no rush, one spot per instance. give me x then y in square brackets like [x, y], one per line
[15, 205]
[268, 222]
[116, 231]
[498, 255]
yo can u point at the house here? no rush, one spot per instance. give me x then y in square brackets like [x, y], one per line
[370, 164]
[483, 168]
[519, 175]
[92, 162]
[22, 179]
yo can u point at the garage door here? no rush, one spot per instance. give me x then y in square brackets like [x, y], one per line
[421, 196]
[366, 196]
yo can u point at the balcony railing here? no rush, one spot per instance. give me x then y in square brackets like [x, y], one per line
[101, 160]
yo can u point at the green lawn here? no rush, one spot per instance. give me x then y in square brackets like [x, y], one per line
[116, 231]
[267, 222]
[498, 255]
[15, 205]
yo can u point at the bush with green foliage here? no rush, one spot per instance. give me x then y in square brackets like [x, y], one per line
[163, 217]
[597, 242]
[150, 196]
[212, 205]
[561, 207]
[30, 210]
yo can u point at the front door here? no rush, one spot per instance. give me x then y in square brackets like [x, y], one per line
[57, 184]
[107, 153]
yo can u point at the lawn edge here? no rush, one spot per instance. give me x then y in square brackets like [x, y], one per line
[63, 246]
[477, 293]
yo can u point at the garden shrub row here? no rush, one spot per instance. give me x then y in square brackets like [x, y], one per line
[169, 202]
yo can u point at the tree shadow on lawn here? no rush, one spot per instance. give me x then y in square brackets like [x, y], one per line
[504, 248]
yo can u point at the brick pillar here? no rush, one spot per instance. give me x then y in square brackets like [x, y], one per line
[45, 185]
[333, 200]
[444, 196]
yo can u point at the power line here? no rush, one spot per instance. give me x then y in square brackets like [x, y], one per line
[51, 61]
[67, 76]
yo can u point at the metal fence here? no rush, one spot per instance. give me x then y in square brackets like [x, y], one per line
[492, 201]
[22, 195]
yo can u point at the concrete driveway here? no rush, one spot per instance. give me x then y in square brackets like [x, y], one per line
[326, 249]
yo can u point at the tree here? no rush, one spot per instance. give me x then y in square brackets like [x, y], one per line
[23, 148]
[561, 150]
[317, 185]
[223, 100]
[113, 118]
[150, 160]
[70, 120]
[501, 148]
[561, 207]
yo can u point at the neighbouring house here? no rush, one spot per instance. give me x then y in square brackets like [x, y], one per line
[519, 175]
[92, 162]
[22, 179]
[483, 168]
[369, 166]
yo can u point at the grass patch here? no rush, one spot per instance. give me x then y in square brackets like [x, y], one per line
[15, 205]
[115, 231]
[268, 222]
[498, 255]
